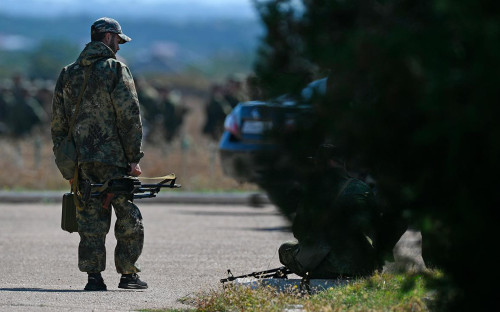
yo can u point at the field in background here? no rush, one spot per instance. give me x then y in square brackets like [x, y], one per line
[28, 163]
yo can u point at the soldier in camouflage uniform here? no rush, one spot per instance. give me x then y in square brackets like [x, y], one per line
[337, 225]
[108, 137]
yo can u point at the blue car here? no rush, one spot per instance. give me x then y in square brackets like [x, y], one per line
[246, 140]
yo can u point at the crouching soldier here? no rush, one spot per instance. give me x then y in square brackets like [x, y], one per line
[337, 224]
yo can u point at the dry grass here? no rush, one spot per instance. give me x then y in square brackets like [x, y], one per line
[28, 163]
[380, 292]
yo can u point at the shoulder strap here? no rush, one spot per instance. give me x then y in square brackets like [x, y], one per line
[75, 187]
[77, 107]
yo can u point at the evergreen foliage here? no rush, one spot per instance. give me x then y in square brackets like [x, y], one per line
[412, 97]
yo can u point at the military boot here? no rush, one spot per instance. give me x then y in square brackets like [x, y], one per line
[95, 283]
[131, 281]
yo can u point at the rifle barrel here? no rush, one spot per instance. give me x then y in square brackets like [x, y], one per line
[160, 185]
[139, 196]
[261, 274]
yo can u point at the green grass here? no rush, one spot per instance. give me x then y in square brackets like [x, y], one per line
[380, 292]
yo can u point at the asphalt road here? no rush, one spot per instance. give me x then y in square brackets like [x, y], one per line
[188, 248]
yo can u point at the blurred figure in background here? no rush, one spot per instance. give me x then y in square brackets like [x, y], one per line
[4, 98]
[149, 100]
[222, 100]
[22, 110]
[254, 90]
[215, 112]
[24, 106]
[172, 110]
[162, 109]
[234, 91]
[44, 91]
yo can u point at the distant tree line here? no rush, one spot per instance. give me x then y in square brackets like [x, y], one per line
[212, 48]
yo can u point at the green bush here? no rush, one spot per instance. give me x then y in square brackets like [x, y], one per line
[412, 97]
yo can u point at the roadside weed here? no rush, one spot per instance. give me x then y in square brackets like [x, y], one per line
[380, 292]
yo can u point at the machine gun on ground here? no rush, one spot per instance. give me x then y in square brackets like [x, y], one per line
[281, 272]
[130, 186]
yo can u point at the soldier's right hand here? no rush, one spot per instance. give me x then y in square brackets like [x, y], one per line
[135, 170]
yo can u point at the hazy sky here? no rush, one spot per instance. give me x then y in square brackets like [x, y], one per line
[131, 8]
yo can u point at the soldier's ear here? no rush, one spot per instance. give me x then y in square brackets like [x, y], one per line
[107, 37]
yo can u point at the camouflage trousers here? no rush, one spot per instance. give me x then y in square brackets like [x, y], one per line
[94, 223]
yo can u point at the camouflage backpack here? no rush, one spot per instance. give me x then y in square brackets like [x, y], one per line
[65, 152]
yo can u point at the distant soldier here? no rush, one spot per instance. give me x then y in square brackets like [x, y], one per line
[337, 225]
[108, 137]
[4, 98]
[255, 92]
[149, 99]
[44, 94]
[172, 110]
[234, 91]
[23, 111]
[215, 112]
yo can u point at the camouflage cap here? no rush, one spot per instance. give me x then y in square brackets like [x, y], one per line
[107, 24]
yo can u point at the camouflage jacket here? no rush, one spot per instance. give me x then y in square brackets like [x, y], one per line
[108, 128]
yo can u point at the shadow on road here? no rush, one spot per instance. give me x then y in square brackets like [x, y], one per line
[41, 290]
[227, 213]
[23, 289]
[272, 229]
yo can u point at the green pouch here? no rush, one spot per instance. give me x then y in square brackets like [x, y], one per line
[68, 220]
